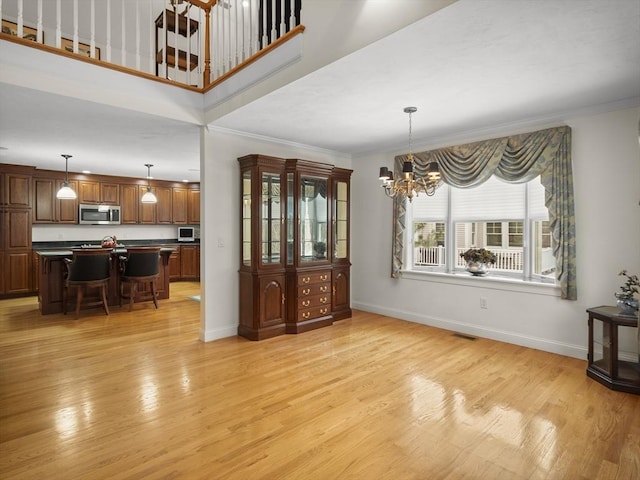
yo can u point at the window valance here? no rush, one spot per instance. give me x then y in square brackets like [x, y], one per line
[514, 159]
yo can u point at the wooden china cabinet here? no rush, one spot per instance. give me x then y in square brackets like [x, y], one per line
[294, 268]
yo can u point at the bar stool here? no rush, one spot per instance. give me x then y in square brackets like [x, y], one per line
[88, 268]
[139, 267]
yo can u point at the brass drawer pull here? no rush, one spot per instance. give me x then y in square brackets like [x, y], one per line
[323, 300]
[323, 277]
[306, 303]
[324, 310]
[324, 289]
[306, 280]
[306, 315]
[306, 291]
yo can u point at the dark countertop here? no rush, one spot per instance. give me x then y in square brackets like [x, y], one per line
[66, 245]
[68, 253]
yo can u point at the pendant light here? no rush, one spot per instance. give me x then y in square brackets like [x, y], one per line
[66, 192]
[148, 196]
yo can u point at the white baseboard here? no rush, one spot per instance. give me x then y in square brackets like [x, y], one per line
[546, 345]
[218, 333]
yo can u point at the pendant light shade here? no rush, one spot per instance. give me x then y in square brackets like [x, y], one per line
[66, 192]
[148, 196]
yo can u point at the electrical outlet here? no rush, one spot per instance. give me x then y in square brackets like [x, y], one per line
[483, 302]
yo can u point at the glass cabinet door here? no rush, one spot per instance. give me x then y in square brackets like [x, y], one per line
[246, 218]
[312, 217]
[290, 217]
[271, 240]
[341, 216]
[601, 355]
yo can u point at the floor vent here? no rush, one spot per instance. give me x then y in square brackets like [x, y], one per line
[465, 336]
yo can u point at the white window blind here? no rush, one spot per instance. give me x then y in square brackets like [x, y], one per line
[431, 208]
[537, 209]
[493, 200]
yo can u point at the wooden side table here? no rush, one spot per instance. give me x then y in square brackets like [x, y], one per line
[603, 364]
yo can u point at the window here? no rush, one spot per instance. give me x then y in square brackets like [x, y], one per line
[516, 233]
[494, 234]
[428, 243]
[509, 219]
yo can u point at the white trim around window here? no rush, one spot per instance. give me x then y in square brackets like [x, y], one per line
[489, 281]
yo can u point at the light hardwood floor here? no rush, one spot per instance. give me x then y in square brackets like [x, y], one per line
[136, 395]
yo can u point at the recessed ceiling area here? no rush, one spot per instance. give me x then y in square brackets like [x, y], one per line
[469, 67]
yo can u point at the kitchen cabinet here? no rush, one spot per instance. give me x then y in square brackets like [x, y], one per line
[174, 265]
[15, 233]
[190, 262]
[90, 191]
[15, 190]
[171, 208]
[184, 263]
[164, 207]
[172, 205]
[294, 260]
[146, 211]
[130, 196]
[15, 250]
[47, 208]
[179, 206]
[35, 265]
[193, 207]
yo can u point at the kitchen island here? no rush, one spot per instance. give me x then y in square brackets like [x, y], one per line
[51, 269]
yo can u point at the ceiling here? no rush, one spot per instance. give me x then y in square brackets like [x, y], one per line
[468, 68]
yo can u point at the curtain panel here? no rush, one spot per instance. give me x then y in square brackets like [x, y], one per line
[514, 159]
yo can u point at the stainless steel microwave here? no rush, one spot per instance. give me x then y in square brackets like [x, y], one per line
[99, 214]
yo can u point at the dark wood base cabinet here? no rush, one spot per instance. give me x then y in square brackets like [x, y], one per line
[603, 362]
[309, 301]
[294, 266]
[341, 305]
[262, 306]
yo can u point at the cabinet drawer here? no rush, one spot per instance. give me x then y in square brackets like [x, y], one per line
[314, 277]
[316, 312]
[314, 301]
[316, 289]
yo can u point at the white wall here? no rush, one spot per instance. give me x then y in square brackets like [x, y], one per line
[606, 168]
[220, 221]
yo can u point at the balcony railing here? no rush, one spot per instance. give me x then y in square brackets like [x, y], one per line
[193, 43]
[507, 259]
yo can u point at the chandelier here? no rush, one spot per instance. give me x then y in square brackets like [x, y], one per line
[408, 184]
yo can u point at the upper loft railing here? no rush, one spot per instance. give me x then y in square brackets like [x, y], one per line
[211, 39]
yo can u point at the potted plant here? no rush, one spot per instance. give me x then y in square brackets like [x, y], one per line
[319, 249]
[478, 259]
[628, 294]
